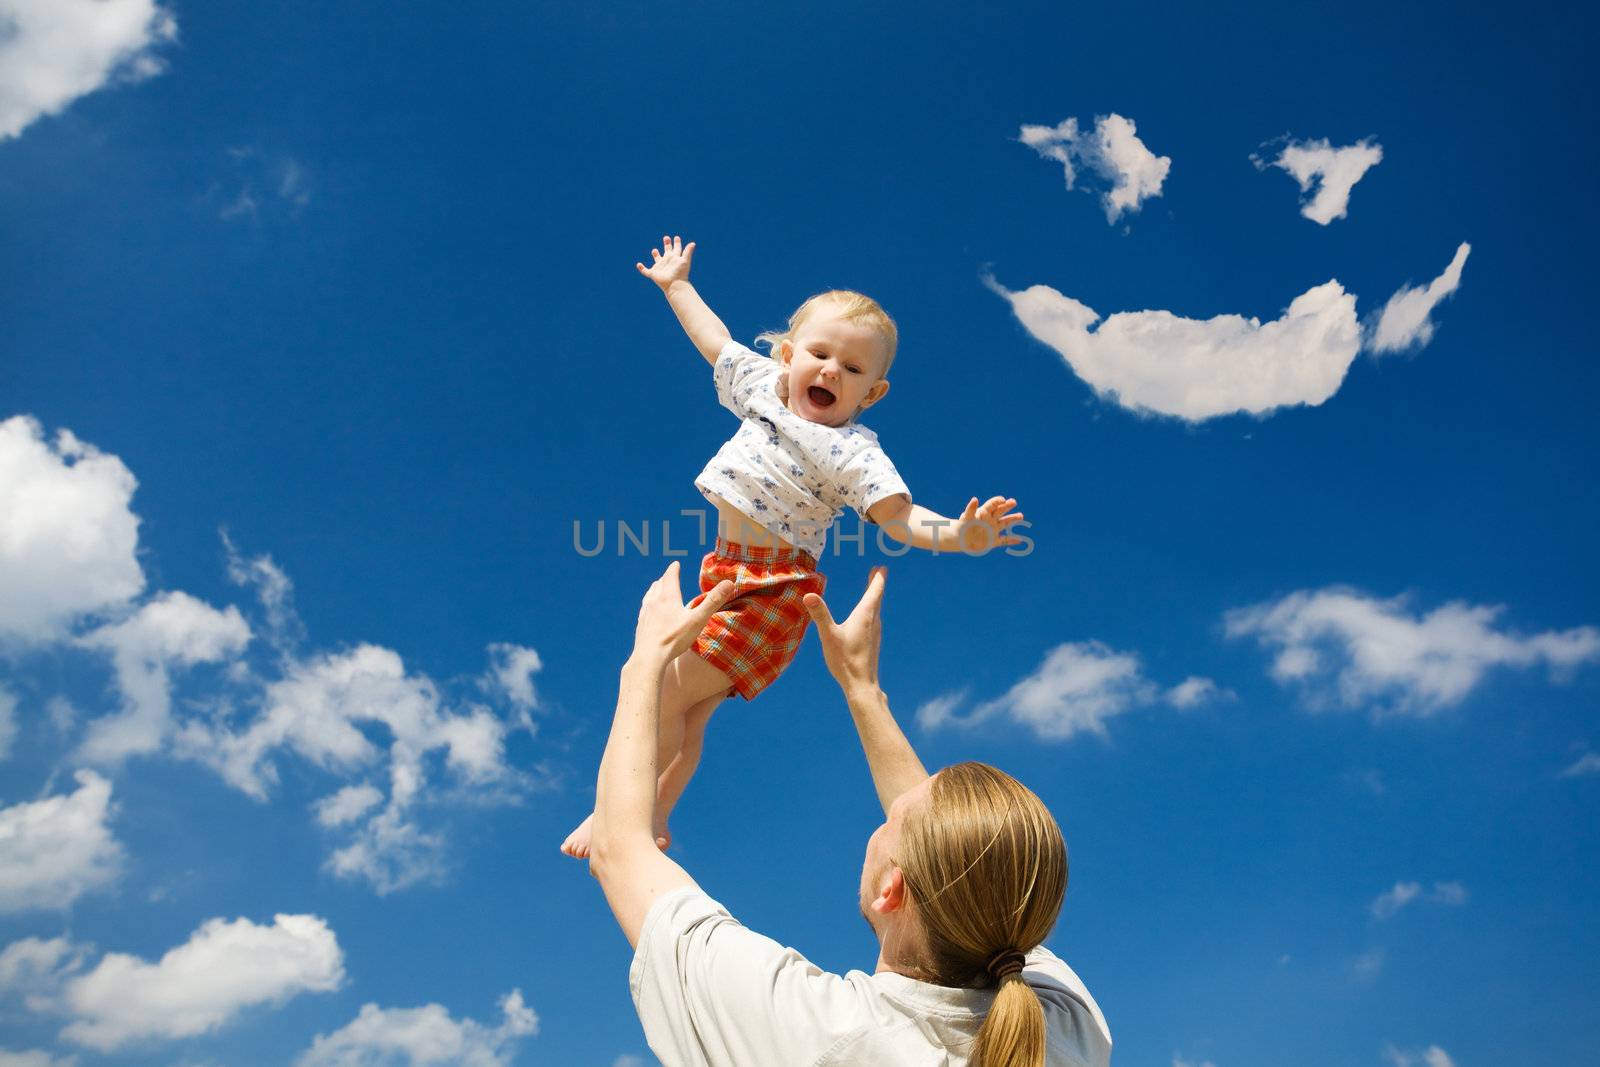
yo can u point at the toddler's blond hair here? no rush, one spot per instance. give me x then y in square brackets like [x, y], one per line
[852, 307]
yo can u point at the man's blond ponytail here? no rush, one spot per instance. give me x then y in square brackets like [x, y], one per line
[986, 867]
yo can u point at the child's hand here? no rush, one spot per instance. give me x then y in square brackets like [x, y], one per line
[671, 262]
[985, 527]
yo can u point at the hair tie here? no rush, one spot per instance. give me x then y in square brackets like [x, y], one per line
[1007, 961]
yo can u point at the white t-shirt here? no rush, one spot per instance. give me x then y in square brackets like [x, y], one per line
[711, 993]
[789, 475]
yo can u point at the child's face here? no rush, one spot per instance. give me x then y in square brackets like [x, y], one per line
[835, 368]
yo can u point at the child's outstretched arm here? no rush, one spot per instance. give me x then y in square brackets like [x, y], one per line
[980, 527]
[669, 269]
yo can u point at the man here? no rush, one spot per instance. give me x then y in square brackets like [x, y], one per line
[961, 884]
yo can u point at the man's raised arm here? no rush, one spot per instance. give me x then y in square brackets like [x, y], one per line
[623, 854]
[850, 649]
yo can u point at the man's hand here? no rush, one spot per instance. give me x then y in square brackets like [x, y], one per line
[985, 527]
[667, 626]
[850, 648]
[671, 262]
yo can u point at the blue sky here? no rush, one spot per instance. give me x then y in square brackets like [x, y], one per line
[337, 311]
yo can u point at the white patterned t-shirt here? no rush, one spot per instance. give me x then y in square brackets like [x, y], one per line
[789, 475]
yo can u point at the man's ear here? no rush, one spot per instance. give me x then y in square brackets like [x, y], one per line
[891, 892]
[879, 390]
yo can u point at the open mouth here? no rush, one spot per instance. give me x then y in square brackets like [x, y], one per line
[820, 397]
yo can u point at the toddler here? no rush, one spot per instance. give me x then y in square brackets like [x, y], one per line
[798, 460]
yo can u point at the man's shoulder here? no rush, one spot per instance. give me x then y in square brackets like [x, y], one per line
[690, 912]
[709, 989]
[1073, 1019]
[676, 910]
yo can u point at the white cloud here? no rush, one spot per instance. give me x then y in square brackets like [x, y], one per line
[1406, 320]
[266, 184]
[1112, 152]
[317, 711]
[1368, 965]
[419, 1037]
[34, 1058]
[941, 710]
[1343, 647]
[35, 968]
[474, 742]
[1588, 763]
[511, 671]
[67, 536]
[199, 986]
[1077, 687]
[274, 591]
[1155, 361]
[52, 851]
[171, 631]
[628, 1061]
[1390, 903]
[244, 203]
[1179, 1061]
[1432, 1056]
[8, 722]
[391, 852]
[1136, 171]
[348, 804]
[294, 183]
[54, 51]
[1055, 142]
[64, 515]
[1195, 691]
[1334, 172]
[60, 713]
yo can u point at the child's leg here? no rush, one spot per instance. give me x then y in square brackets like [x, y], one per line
[689, 680]
[676, 777]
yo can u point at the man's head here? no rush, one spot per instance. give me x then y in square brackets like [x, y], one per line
[883, 893]
[968, 863]
[837, 351]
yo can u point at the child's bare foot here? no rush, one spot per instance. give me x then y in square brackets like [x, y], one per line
[577, 843]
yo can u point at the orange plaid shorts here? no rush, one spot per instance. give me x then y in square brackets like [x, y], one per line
[756, 636]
